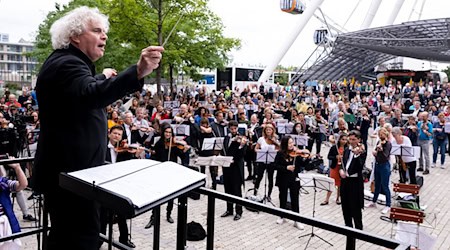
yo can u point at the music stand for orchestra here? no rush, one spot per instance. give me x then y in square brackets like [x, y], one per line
[171, 104]
[315, 181]
[266, 156]
[133, 187]
[181, 129]
[285, 128]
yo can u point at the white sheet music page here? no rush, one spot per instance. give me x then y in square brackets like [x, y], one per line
[109, 172]
[156, 182]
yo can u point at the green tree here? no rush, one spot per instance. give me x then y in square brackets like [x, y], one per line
[196, 40]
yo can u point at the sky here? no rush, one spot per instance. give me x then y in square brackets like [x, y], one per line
[260, 24]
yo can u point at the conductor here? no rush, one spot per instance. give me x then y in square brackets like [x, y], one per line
[75, 140]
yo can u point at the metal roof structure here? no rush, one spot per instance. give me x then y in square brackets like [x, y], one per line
[357, 53]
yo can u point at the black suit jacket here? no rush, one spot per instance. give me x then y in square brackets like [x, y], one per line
[357, 164]
[135, 136]
[237, 167]
[355, 184]
[75, 138]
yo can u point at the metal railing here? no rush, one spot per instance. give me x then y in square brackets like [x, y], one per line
[335, 228]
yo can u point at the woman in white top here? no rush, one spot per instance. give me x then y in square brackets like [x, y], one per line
[406, 163]
[268, 141]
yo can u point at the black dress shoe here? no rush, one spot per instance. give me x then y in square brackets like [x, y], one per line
[29, 217]
[149, 224]
[128, 243]
[227, 213]
[237, 217]
[169, 219]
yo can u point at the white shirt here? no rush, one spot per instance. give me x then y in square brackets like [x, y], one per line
[406, 143]
[351, 156]
[128, 132]
[113, 153]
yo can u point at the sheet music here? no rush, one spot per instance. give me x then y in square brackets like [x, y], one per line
[108, 172]
[265, 156]
[171, 104]
[316, 180]
[215, 143]
[181, 129]
[168, 121]
[147, 185]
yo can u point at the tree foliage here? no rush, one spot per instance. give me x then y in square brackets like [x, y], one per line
[196, 41]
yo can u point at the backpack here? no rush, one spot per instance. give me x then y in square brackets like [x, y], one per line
[195, 231]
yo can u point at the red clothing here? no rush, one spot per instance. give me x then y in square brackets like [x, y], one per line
[16, 103]
[334, 172]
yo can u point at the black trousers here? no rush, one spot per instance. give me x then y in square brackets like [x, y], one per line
[232, 186]
[121, 222]
[75, 221]
[351, 207]
[213, 172]
[411, 170]
[261, 167]
[294, 189]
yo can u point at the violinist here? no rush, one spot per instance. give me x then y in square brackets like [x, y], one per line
[288, 168]
[253, 132]
[131, 132]
[382, 169]
[114, 155]
[316, 134]
[207, 132]
[160, 114]
[168, 149]
[268, 140]
[233, 176]
[352, 183]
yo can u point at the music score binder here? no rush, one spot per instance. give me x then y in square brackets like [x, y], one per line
[132, 187]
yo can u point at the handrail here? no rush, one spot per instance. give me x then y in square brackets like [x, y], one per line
[335, 228]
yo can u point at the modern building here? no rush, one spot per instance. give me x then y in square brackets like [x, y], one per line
[15, 65]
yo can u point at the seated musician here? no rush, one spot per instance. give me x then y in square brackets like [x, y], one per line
[160, 114]
[183, 116]
[118, 152]
[288, 167]
[168, 149]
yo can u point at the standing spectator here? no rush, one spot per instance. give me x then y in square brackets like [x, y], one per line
[425, 129]
[440, 140]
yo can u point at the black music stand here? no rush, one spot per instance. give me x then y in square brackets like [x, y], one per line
[317, 182]
[133, 187]
[266, 156]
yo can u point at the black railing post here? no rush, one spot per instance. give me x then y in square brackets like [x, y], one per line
[156, 230]
[210, 223]
[182, 222]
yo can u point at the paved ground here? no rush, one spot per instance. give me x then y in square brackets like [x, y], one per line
[260, 231]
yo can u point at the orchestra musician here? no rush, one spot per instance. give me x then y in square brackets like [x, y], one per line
[335, 156]
[288, 167]
[316, 134]
[268, 140]
[253, 132]
[168, 149]
[352, 184]
[113, 155]
[207, 132]
[235, 145]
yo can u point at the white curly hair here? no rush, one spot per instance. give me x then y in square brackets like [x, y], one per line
[74, 23]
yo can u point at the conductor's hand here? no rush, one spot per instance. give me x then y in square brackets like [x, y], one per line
[108, 72]
[149, 60]
[291, 168]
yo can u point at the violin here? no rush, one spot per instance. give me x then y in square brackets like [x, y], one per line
[124, 147]
[301, 154]
[174, 143]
